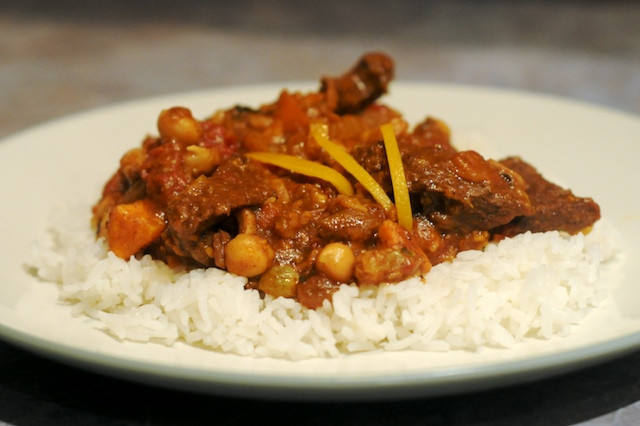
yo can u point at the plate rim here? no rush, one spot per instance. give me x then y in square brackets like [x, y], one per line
[442, 381]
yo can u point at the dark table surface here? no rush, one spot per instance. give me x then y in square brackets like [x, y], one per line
[38, 391]
[66, 56]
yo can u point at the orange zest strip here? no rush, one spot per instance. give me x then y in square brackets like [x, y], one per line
[305, 167]
[398, 179]
[337, 152]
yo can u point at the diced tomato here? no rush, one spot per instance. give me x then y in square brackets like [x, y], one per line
[292, 116]
[216, 136]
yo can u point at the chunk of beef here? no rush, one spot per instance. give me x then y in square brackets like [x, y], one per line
[373, 158]
[361, 85]
[210, 201]
[462, 191]
[554, 208]
[457, 191]
[430, 133]
[163, 170]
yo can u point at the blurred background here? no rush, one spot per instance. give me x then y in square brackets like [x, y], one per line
[59, 57]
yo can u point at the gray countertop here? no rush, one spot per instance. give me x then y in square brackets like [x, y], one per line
[66, 56]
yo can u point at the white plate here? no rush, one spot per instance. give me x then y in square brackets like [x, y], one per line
[592, 150]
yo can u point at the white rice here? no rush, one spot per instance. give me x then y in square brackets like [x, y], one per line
[530, 286]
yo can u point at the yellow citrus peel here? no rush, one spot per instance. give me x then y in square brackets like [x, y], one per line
[305, 167]
[337, 152]
[398, 179]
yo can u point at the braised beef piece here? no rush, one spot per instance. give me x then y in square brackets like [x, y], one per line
[361, 85]
[162, 170]
[373, 158]
[457, 191]
[462, 191]
[209, 200]
[554, 208]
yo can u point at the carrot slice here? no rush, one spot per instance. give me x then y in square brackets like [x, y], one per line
[321, 134]
[398, 179]
[305, 167]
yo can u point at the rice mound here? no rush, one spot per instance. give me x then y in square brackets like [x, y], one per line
[530, 286]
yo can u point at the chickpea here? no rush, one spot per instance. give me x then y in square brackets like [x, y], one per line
[201, 160]
[178, 123]
[336, 261]
[279, 281]
[248, 255]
